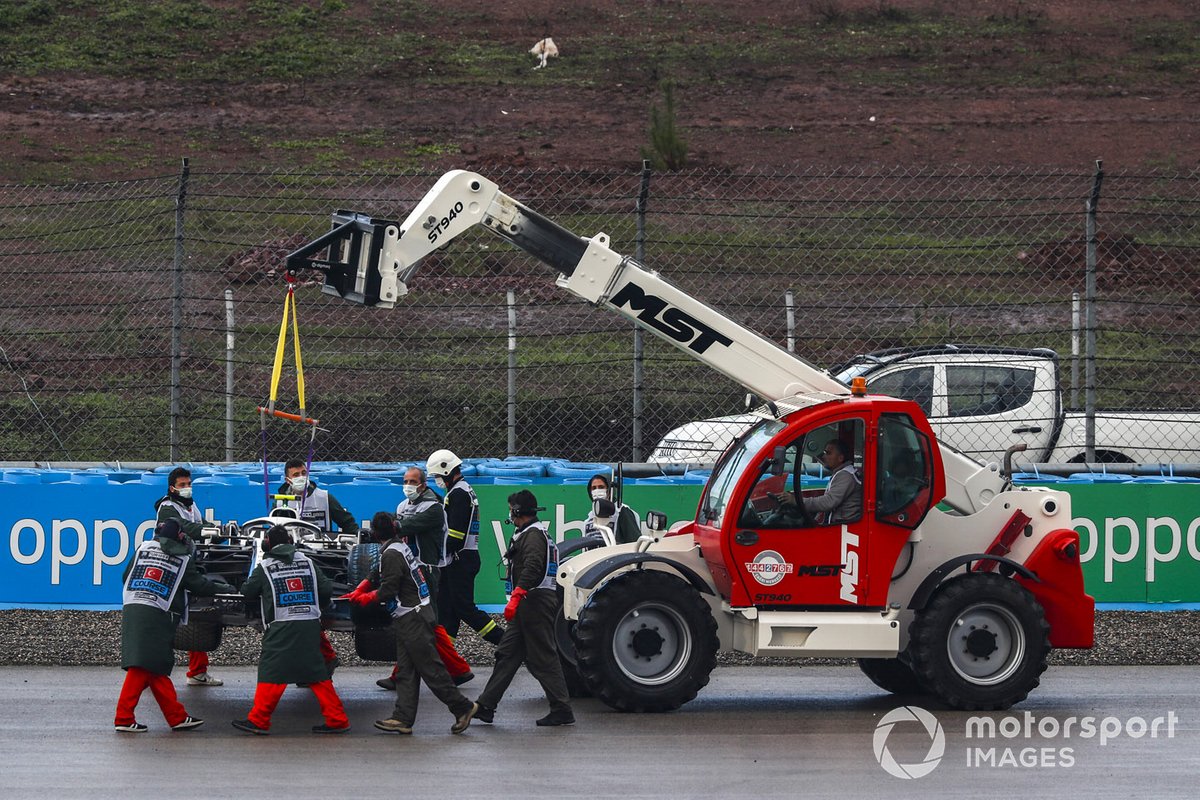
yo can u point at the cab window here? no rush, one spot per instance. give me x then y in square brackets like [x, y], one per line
[733, 464]
[904, 473]
[775, 501]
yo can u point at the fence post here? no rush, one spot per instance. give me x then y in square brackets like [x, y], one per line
[789, 303]
[1089, 291]
[639, 355]
[1075, 312]
[229, 346]
[512, 373]
[177, 310]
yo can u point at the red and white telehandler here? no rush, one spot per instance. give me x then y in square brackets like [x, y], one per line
[946, 581]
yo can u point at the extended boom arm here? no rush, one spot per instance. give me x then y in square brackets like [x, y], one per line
[371, 262]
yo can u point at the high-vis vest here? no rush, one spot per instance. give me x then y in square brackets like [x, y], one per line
[189, 513]
[547, 581]
[590, 527]
[414, 569]
[154, 578]
[470, 536]
[293, 588]
[409, 508]
[316, 508]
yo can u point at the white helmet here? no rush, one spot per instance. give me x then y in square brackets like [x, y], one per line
[442, 462]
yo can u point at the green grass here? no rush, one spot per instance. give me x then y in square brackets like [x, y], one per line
[206, 41]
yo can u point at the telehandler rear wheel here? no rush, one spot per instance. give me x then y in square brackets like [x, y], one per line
[981, 643]
[646, 641]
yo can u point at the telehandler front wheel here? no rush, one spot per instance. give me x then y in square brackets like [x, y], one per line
[646, 641]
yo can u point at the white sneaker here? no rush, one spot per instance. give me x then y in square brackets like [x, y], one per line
[204, 679]
[187, 724]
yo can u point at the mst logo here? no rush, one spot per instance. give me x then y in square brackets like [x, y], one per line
[850, 570]
[669, 320]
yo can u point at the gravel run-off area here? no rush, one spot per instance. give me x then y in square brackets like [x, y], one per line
[93, 638]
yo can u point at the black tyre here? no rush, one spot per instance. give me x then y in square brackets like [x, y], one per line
[564, 638]
[201, 634]
[362, 560]
[375, 644]
[646, 641]
[981, 643]
[892, 675]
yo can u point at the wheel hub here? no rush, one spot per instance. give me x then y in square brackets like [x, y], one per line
[981, 643]
[647, 642]
[651, 643]
[986, 644]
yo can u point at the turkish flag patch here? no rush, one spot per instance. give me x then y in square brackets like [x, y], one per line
[153, 574]
[295, 584]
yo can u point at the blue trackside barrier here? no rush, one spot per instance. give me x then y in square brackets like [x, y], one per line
[70, 528]
[511, 471]
[90, 479]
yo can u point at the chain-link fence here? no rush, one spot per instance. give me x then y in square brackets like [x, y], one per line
[140, 317]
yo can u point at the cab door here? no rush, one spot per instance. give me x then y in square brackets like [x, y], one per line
[785, 557]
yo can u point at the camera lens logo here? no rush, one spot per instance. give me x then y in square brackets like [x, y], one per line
[937, 742]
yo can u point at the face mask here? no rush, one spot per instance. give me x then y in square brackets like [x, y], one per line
[411, 492]
[299, 483]
[185, 493]
[440, 481]
[599, 494]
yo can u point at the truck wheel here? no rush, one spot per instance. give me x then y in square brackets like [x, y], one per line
[361, 561]
[646, 641]
[892, 675]
[981, 643]
[201, 634]
[375, 644]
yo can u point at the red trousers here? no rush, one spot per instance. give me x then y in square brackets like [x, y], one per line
[267, 695]
[197, 663]
[136, 681]
[455, 664]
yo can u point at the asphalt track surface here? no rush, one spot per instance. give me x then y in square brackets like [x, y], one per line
[753, 732]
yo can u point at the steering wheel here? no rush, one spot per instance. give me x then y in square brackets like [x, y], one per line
[795, 509]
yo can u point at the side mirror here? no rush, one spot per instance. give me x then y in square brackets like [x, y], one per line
[779, 461]
[656, 521]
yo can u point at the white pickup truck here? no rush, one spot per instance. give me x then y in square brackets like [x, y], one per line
[982, 400]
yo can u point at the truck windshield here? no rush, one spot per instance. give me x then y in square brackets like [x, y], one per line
[727, 473]
[855, 368]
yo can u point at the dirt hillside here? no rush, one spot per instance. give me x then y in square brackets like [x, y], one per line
[1078, 80]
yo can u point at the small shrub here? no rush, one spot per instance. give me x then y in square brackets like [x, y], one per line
[668, 150]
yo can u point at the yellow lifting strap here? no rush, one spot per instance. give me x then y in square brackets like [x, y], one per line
[289, 305]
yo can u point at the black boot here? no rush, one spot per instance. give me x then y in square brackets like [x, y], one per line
[555, 718]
